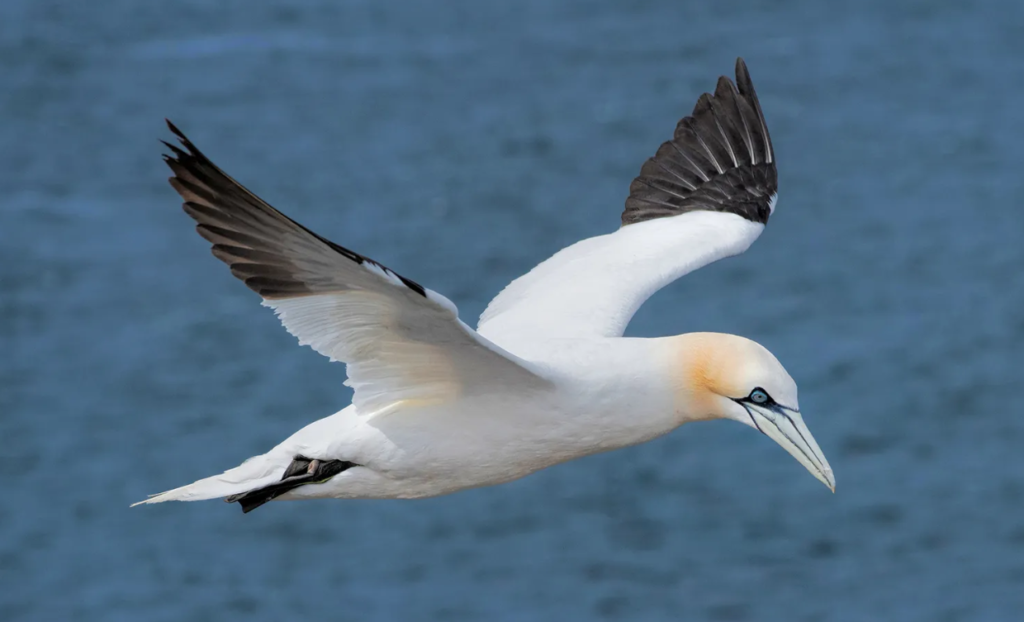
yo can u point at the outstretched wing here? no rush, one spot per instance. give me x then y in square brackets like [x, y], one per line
[400, 340]
[706, 194]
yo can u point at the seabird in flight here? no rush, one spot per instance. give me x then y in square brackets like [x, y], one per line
[547, 375]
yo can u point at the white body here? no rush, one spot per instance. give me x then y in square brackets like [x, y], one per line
[604, 393]
[598, 393]
[416, 450]
[547, 377]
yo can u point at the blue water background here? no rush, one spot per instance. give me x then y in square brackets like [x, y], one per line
[460, 143]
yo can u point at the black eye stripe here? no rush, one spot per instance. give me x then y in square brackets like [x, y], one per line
[766, 401]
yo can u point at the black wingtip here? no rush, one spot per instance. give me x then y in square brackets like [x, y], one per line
[725, 87]
[746, 87]
[743, 81]
[719, 159]
[190, 156]
[174, 129]
[183, 140]
[178, 153]
[743, 75]
[741, 66]
[197, 179]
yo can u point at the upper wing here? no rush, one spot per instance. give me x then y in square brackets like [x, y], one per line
[400, 340]
[706, 194]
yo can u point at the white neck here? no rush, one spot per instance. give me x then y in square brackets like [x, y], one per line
[617, 392]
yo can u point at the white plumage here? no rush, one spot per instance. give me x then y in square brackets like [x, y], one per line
[547, 377]
[593, 288]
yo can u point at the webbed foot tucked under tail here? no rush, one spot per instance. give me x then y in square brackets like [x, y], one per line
[300, 472]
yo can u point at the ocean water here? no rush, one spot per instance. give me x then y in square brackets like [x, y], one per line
[460, 143]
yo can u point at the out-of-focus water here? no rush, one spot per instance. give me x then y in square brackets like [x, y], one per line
[461, 143]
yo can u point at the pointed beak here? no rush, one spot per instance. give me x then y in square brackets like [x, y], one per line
[786, 427]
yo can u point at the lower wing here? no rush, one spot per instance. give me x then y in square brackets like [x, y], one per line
[400, 341]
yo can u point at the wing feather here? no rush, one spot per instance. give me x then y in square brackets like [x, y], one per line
[723, 148]
[593, 288]
[706, 194]
[399, 340]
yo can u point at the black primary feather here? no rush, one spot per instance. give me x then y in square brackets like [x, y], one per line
[259, 243]
[720, 159]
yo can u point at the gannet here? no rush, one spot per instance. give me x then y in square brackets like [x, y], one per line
[547, 375]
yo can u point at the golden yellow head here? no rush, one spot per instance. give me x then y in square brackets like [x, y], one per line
[719, 376]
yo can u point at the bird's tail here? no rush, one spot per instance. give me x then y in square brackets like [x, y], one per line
[255, 473]
[268, 476]
[256, 481]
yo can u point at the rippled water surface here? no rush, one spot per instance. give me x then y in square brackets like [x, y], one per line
[461, 143]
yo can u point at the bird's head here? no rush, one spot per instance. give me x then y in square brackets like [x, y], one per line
[730, 377]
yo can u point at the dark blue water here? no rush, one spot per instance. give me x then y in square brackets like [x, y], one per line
[460, 143]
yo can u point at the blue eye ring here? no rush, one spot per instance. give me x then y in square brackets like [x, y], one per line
[760, 396]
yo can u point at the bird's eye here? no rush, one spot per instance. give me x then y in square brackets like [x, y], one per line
[759, 396]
